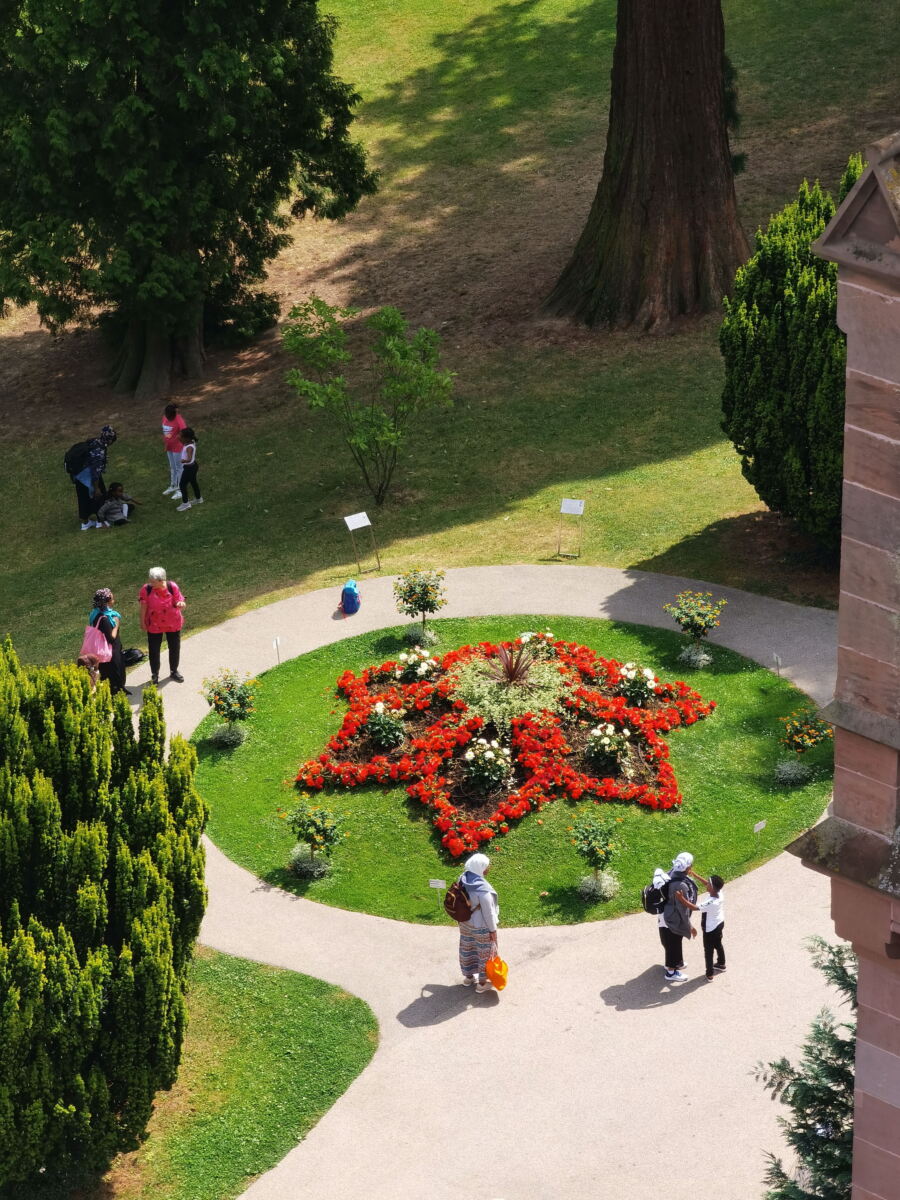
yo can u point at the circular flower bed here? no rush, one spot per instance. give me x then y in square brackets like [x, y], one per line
[549, 754]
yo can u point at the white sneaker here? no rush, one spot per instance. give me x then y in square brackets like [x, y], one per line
[176, 495]
[169, 490]
[675, 977]
[183, 507]
[487, 986]
[199, 500]
[468, 980]
[88, 525]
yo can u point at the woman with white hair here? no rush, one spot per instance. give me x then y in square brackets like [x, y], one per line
[478, 935]
[675, 919]
[162, 605]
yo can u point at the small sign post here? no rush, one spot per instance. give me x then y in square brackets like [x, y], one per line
[356, 521]
[759, 826]
[569, 508]
[276, 646]
[776, 658]
[439, 885]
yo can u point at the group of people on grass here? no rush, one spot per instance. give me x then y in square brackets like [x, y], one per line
[478, 938]
[99, 506]
[162, 607]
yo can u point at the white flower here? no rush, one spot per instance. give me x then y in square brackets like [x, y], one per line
[506, 752]
[525, 637]
[596, 731]
[488, 754]
[403, 657]
[604, 741]
[493, 745]
[469, 755]
[423, 669]
[610, 729]
[626, 733]
[648, 674]
[379, 707]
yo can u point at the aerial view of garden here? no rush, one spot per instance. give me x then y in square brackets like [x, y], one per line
[371, 796]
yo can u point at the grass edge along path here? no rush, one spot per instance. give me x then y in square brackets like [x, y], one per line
[267, 1053]
[724, 768]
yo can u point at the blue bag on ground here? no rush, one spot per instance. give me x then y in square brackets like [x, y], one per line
[350, 597]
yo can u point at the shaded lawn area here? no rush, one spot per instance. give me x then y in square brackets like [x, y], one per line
[723, 764]
[267, 1053]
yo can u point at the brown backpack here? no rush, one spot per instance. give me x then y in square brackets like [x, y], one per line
[456, 902]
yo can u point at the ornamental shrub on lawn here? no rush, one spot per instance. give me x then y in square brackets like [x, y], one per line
[420, 593]
[316, 827]
[403, 378]
[637, 684]
[783, 400]
[607, 748]
[488, 763]
[230, 695]
[804, 729]
[594, 838]
[101, 897]
[696, 613]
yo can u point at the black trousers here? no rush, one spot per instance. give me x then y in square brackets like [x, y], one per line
[712, 945]
[154, 646]
[88, 503]
[189, 476]
[673, 944]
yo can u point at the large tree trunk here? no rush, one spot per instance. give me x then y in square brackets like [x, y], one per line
[150, 353]
[662, 239]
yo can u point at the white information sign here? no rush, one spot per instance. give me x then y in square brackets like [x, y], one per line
[437, 883]
[357, 521]
[759, 826]
[573, 508]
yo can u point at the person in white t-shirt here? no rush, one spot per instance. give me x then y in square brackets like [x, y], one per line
[712, 922]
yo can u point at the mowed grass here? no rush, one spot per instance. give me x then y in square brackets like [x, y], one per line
[486, 120]
[724, 766]
[267, 1052]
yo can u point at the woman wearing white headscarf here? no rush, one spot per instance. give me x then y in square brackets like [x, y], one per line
[675, 926]
[478, 935]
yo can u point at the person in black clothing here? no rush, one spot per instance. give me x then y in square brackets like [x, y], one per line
[108, 621]
[90, 490]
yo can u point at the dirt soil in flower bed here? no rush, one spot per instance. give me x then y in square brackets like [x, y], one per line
[475, 801]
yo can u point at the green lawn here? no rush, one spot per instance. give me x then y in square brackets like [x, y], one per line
[267, 1052]
[486, 120]
[723, 765]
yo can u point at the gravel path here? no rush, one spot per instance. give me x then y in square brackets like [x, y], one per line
[589, 1076]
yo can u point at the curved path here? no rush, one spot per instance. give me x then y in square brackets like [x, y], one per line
[589, 1077]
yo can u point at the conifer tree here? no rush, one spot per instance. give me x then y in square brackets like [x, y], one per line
[783, 400]
[819, 1093]
[101, 897]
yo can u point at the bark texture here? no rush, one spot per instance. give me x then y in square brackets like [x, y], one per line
[662, 239]
[150, 354]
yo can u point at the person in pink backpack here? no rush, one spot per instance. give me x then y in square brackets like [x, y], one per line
[172, 424]
[162, 614]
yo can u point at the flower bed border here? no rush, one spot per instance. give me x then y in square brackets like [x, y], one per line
[538, 741]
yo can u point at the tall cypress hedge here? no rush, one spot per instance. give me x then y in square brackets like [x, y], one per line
[783, 401]
[101, 897]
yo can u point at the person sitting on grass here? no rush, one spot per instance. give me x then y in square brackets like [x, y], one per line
[116, 507]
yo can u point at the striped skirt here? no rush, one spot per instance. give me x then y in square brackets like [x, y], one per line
[474, 949]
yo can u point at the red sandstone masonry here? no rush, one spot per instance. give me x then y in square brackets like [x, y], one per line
[871, 574]
[879, 1029]
[869, 628]
[873, 404]
[865, 802]
[866, 757]
[876, 1169]
[870, 518]
[868, 681]
[872, 461]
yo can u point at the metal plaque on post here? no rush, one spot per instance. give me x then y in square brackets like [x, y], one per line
[356, 521]
[569, 508]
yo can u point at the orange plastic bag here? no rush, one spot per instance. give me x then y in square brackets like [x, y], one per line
[497, 972]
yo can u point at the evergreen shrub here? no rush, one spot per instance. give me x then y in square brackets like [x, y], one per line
[101, 898]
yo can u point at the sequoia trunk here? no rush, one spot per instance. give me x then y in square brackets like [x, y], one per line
[662, 239]
[150, 353]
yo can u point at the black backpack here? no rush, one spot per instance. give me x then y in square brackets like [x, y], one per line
[654, 899]
[77, 457]
[456, 902]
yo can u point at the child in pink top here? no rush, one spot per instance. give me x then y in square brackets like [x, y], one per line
[172, 424]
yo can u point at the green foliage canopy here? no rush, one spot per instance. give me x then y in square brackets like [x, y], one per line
[404, 380]
[101, 897]
[783, 401]
[149, 152]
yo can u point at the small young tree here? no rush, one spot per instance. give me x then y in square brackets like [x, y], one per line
[696, 613]
[783, 400]
[819, 1093]
[594, 836]
[403, 381]
[315, 827]
[420, 593]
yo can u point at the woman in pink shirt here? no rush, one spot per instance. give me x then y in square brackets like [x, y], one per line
[172, 424]
[162, 606]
